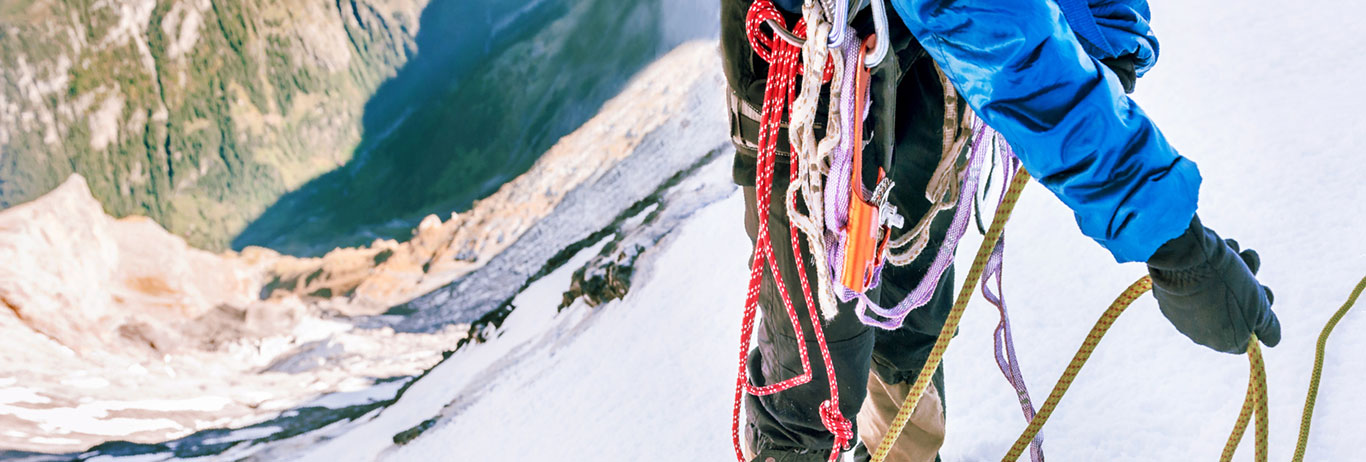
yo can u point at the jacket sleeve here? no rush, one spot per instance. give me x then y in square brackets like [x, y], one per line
[1022, 70]
[1114, 28]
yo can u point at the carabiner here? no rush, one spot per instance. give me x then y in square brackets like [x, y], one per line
[784, 34]
[839, 24]
[875, 56]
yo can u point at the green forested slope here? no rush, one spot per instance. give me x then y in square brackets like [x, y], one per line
[196, 113]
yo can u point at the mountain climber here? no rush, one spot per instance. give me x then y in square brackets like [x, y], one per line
[1051, 76]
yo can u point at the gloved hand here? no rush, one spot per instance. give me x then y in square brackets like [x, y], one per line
[1123, 67]
[1208, 290]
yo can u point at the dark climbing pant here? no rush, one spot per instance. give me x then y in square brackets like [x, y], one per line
[789, 421]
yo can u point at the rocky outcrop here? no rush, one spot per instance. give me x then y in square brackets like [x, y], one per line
[141, 337]
[195, 113]
[101, 286]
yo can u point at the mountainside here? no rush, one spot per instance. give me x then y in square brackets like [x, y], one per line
[143, 339]
[195, 113]
[306, 125]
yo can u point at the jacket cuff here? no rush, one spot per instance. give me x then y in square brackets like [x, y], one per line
[1169, 212]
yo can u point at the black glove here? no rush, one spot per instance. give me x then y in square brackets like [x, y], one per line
[1207, 289]
[1123, 67]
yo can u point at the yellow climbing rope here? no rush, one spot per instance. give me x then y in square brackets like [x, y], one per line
[1254, 405]
[1138, 288]
[1318, 369]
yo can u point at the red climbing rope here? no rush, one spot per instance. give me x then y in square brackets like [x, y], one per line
[779, 93]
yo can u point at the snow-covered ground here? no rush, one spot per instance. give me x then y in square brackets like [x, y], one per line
[1263, 95]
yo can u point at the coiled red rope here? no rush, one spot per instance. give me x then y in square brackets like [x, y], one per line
[779, 92]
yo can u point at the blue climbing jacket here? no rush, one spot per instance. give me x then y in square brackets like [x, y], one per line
[1027, 74]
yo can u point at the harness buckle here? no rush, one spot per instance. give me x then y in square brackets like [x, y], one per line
[887, 214]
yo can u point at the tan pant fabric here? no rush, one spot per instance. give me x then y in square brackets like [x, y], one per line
[924, 433]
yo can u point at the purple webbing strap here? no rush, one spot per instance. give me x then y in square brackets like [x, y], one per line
[924, 290]
[837, 184]
[1004, 342]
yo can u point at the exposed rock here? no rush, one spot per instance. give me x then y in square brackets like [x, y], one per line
[144, 338]
[120, 287]
[608, 275]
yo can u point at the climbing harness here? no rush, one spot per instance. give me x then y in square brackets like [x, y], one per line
[822, 40]
[847, 228]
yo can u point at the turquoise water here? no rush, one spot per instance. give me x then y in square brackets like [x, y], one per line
[492, 86]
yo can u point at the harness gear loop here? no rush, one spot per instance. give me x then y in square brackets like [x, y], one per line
[944, 183]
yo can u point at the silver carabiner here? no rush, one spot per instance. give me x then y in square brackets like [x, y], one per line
[784, 34]
[876, 55]
[839, 24]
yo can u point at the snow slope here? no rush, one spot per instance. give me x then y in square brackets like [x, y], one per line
[647, 377]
